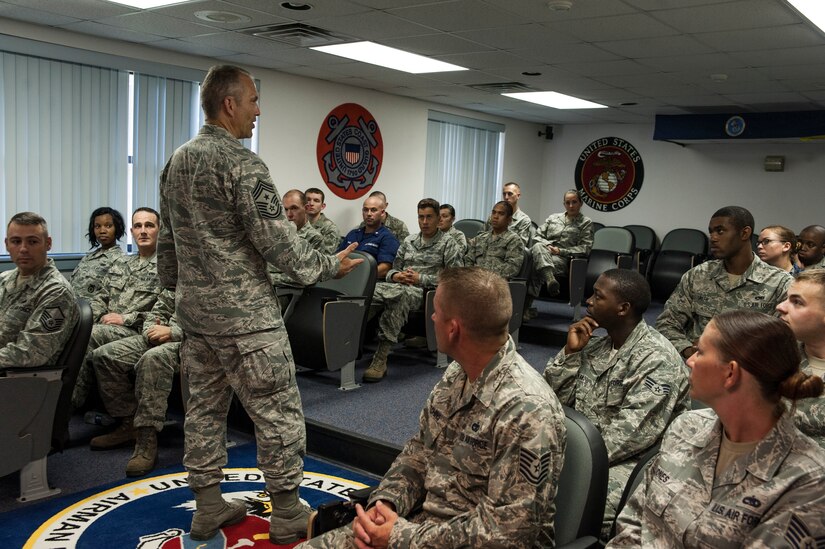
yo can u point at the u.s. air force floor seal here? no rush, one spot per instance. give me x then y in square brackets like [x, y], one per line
[350, 151]
[609, 174]
[155, 513]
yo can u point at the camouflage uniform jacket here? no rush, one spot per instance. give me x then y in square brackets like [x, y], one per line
[809, 415]
[88, 277]
[459, 238]
[164, 313]
[315, 239]
[705, 290]
[426, 258]
[222, 221]
[571, 237]
[130, 289]
[36, 318]
[631, 398]
[485, 463]
[329, 233]
[502, 253]
[818, 265]
[771, 498]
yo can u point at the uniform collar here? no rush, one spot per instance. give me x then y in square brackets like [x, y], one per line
[35, 281]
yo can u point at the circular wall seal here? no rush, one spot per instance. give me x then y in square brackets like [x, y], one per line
[735, 126]
[350, 150]
[609, 174]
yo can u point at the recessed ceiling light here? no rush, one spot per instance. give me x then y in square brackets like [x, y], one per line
[813, 10]
[719, 77]
[560, 5]
[376, 54]
[296, 6]
[221, 17]
[146, 4]
[555, 100]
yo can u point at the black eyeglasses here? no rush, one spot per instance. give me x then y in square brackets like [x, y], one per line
[765, 241]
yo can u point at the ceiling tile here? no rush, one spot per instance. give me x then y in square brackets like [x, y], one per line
[459, 15]
[116, 33]
[743, 14]
[154, 23]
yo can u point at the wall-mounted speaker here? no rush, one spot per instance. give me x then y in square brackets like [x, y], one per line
[547, 133]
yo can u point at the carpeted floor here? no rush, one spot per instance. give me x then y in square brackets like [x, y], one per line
[155, 512]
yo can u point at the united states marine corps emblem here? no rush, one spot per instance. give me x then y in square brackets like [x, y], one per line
[350, 151]
[609, 174]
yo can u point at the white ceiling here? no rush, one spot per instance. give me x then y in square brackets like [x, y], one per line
[657, 55]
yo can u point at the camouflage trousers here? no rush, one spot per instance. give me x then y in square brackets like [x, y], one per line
[340, 538]
[260, 369]
[153, 369]
[617, 478]
[542, 258]
[101, 335]
[395, 302]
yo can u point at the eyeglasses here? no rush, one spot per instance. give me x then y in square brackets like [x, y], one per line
[764, 242]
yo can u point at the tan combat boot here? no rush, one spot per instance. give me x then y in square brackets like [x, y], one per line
[378, 366]
[214, 512]
[289, 520]
[550, 281]
[123, 435]
[146, 453]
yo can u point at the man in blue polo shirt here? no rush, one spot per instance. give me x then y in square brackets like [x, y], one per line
[374, 238]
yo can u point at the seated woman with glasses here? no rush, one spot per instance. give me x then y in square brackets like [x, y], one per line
[739, 474]
[777, 246]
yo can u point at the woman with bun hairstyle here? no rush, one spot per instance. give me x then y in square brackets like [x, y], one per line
[777, 246]
[739, 474]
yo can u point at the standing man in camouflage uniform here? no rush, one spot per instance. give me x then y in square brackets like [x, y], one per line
[561, 237]
[417, 264]
[738, 474]
[129, 292]
[152, 359]
[446, 217]
[315, 212]
[735, 279]
[804, 312]
[812, 247]
[630, 384]
[498, 250]
[223, 221]
[37, 306]
[397, 227]
[485, 464]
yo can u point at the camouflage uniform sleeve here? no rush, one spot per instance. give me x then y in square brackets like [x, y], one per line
[403, 232]
[513, 258]
[646, 409]
[100, 300]
[167, 258]
[676, 316]
[509, 514]
[525, 231]
[629, 521]
[46, 332]
[540, 235]
[162, 313]
[331, 238]
[561, 373]
[452, 258]
[400, 260]
[273, 235]
[585, 241]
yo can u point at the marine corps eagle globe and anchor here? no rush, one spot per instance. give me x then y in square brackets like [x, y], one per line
[609, 174]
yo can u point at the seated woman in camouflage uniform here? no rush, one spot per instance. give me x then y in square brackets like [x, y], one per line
[739, 474]
[106, 227]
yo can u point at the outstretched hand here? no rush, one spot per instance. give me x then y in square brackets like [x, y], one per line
[579, 334]
[347, 264]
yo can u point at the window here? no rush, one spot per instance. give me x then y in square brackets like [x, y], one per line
[463, 163]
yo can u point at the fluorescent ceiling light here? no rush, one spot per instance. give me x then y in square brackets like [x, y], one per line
[376, 54]
[146, 4]
[555, 100]
[814, 10]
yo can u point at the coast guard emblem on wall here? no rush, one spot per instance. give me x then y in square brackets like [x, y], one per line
[609, 174]
[349, 151]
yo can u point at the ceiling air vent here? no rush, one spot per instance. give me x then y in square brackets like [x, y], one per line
[503, 87]
[297, 34]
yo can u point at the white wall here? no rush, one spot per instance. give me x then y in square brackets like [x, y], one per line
[683, 186]
[293, 109]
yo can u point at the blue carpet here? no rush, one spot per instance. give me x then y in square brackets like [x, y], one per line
[155, 512]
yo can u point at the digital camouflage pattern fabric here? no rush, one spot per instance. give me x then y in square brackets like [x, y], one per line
[36, 317]
[87, 278]
[771, 498]
[484, 465]
[706, 290]
[501, 253]
[809, 413]
[329, 233]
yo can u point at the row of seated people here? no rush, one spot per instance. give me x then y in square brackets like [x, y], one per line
[142, 225]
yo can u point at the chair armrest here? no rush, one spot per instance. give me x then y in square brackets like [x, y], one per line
[51, 373]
